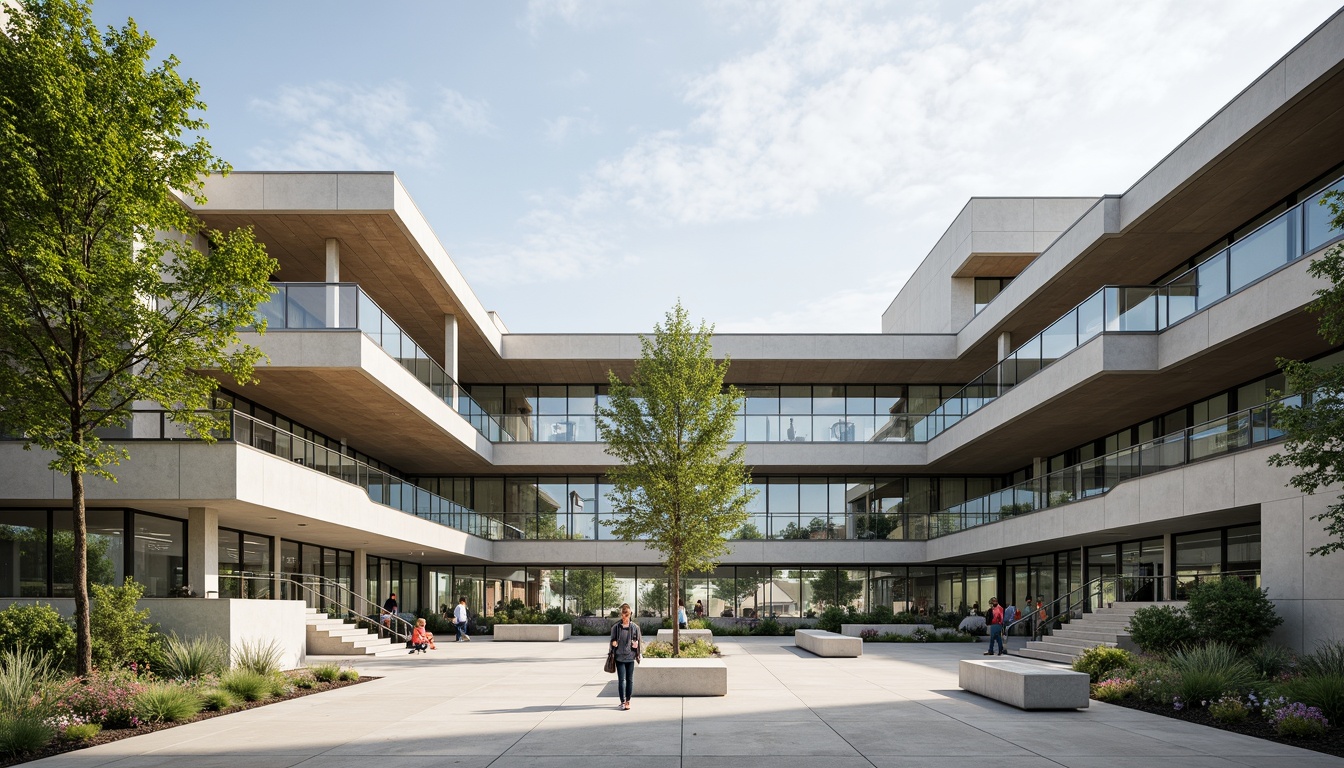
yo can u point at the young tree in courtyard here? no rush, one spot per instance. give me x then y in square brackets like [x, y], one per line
[99, 308]
[1315, 430]
[678, 483]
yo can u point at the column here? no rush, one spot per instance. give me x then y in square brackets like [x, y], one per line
[277, 565]
[359, 579]
[1005, 348]
[203, 551]
[450, 357]
[333, 276]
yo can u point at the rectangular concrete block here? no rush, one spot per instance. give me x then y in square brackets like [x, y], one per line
[1023, 685]
[665, 635]
[829, 644]
[682, 677]
[531, 633]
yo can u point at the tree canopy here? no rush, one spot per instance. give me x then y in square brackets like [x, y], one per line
[112, 292]
[1315, 428]
[678, 486]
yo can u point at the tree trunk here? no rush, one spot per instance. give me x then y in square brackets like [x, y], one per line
[83, 634]
[676, 611]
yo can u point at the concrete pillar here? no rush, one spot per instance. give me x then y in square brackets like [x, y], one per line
[1005, 344]
[333, 276]
[203, 551]
[358, 579]
[1168, 567]
[450, 356]
[277, 566]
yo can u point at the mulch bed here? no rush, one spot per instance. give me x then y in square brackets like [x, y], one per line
[1330, 744]
[61, 746]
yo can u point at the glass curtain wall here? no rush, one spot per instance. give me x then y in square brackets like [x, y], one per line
[37, 551]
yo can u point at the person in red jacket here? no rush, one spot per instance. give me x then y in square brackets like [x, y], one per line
[421, 639]
[995, 619]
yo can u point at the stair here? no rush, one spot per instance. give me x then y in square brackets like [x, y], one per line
[1107, 626]
[337, 637]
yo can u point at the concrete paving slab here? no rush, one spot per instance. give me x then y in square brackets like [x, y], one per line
[506, 705]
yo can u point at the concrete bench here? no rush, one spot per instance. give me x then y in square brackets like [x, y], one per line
[532, 633]
[824, 643]
[855, 630]
[681, 677]
[1024, 685]
[707, 635]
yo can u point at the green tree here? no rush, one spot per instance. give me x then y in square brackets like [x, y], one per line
[734, 591]
[587, 590]
[105, 300]
[1315, 428]
[834, 587]
[748, 531]
[678, 484]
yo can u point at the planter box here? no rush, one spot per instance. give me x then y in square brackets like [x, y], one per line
[665, 635]
[1024, 685]
[531, 633]
[854, 630]
[824, 643]
[682, 677]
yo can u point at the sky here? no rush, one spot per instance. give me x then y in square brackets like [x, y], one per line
[778, 167]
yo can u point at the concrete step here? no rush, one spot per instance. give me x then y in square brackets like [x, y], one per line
[325, 624]
[1087, 635]
[1062, 658]
[1067, 645]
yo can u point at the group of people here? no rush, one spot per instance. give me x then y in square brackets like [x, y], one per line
[699, 612]
[998, 618]
[422, 640]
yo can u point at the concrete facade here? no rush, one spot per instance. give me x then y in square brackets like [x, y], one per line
[398, 427]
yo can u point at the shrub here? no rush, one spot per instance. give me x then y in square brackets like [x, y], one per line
[121, 634]
[1325, 692]
[1270, 660]
[106, 697]
[349, 675]
[246, 684]
[771, 628]
[326, 673]
[24, 675]
[21, 734]
[1229, 709]
[216, 699]
[1299, 721]
[831, 618]
[256, 656]
[38, 627]
[1232, 611]
[1327, 659]
[690, 649]
[1101, 662]
[1113, 689]
[1161, 629]
[281, 684]
[197, 657]
[81, 731]
[699, 624]
[304, 682]
[1207, 672]
[166, 703]
[1153, 678]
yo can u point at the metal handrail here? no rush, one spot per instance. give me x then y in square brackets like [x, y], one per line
[1054, 613]
[347, 603]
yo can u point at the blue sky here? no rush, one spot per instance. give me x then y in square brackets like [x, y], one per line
[780, 167]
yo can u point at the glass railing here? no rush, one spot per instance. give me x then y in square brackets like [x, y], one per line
[1301, 230]
[1234, 432]
[382, 487]
[748, 427]
[346, 307]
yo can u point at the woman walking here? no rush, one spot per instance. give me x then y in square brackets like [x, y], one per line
[625, 644]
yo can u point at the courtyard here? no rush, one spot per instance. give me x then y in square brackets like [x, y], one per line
[550, 705]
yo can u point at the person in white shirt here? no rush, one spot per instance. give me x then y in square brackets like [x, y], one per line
[460, 620]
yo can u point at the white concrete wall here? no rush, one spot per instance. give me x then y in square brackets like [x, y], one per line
[236, 622]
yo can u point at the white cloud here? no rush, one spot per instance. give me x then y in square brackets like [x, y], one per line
[332, 126]
[560, 129]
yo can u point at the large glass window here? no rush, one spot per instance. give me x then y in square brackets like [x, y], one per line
[23, 553]
[986, 288]
[106, 549]
[160, 544]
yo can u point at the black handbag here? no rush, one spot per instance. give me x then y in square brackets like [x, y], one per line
[610, 666]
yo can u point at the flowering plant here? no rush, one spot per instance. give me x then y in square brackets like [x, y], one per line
[1300, 721]
[106, 698]
[1229, 709]
[1113, 689]
[868, 634]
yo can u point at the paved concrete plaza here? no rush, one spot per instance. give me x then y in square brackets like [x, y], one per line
[550, 705]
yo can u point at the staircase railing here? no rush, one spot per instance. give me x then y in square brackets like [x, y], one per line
[1116, 588]
[334, 599]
